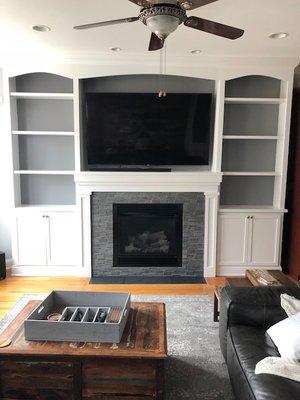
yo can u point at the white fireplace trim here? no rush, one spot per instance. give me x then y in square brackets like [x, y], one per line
[198, 182]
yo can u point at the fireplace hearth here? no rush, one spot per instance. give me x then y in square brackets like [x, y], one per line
[147, 235]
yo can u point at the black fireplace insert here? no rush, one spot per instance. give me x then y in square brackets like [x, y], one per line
[147, 235]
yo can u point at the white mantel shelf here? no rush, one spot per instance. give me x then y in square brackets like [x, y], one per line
[175, 181]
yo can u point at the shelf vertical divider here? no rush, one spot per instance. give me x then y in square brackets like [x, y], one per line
[219, 122]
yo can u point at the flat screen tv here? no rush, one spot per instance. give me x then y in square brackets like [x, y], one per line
[141, 129]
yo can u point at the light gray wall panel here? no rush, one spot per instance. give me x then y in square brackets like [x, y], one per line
[247, 190]
[47, 189]
[45, 115]
[260, 119]
[46, 152]
[249, 155]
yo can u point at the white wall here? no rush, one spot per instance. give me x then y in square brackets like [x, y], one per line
[5, 179]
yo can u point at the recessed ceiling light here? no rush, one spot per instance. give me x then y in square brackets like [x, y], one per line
[116, 49]
[41, 28]
[278, 35]
[186, 5]
[196, 51]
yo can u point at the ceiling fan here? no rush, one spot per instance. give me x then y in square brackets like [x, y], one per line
[163, 17]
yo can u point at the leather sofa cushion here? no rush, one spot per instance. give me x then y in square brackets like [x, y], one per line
[253, 306]
[246, 346]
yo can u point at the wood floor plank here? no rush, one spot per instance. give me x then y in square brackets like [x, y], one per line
[12, 288]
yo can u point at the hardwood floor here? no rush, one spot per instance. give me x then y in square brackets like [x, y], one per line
[12, 288]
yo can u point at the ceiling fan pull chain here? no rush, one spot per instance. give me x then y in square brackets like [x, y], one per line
[163, 71]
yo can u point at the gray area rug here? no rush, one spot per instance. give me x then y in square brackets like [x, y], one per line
[195, 369]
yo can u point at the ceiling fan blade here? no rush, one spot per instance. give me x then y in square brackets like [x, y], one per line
[143, 3]
[106, 23]
[214, 28]
[192, 4]
[155, 43]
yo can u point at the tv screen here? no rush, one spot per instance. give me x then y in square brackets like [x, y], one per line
[142, 129]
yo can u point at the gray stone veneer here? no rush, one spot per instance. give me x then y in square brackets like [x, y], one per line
[102, 233]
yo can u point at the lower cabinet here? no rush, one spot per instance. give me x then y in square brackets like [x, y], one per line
[248, 240]
[46, 238]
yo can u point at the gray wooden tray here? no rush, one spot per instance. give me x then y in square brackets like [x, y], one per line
[78, 320]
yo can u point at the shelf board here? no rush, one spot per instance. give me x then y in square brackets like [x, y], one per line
[40, 96]
[249, 208]
[253, 100]
[44, 172]
[48, 207]
[250, 173]
[251, 137]
[43, 133]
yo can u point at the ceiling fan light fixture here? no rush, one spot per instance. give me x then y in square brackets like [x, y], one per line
[162, 25]
[115, 49]
[196, 51]
[186, 5]
[163, 19]
[279, 35]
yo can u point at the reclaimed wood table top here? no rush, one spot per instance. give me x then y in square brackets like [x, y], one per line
[282, 278]
[144, 337]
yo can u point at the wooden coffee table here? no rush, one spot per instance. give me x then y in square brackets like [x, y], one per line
[131, 370]
[284, 280]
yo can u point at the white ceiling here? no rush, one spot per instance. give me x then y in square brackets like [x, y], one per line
[258, 18]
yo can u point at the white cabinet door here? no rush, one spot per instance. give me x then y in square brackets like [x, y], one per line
[232, 239]
[265, 239]
[31, 239]
[63, 245]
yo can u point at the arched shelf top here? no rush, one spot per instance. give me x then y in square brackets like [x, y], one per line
[245, 76]
[148, 83]
[253, 86]
[43, 82]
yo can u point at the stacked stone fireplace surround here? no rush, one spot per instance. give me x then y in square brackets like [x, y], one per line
[192, 238]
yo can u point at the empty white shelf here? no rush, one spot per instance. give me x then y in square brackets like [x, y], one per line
[43, 133]
[31, 95]
[247, 208]
[253, 100]
[247, 137]
[250, 173]
[43, 172]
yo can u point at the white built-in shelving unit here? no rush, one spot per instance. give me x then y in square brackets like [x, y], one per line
[250, 150]
[254, 164]
[43, 139]
[43, 148]
[252, 137]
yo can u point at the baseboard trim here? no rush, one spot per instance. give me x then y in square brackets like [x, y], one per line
[147, 280]
[51, 271]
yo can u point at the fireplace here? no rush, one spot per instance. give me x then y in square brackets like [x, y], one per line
[147, 235]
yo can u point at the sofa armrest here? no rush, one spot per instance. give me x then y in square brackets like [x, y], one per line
[252, 306]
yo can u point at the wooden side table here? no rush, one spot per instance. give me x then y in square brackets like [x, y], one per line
[282, 278]
[217, 297]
